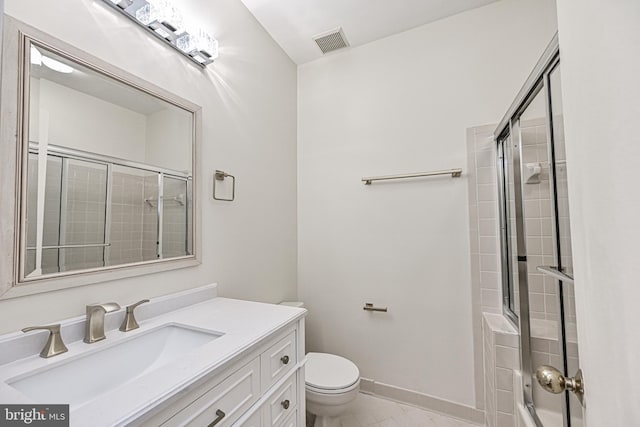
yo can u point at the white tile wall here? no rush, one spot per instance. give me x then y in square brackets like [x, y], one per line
[483, 226]
[501, 359]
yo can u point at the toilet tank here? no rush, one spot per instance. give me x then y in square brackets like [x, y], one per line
[298, 304]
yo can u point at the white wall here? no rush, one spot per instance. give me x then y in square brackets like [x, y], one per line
[402, 104]
[249, 129]
[601, 94]
[84, 122]
[167, 131]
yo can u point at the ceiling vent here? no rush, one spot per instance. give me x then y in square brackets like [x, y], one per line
[331, 40]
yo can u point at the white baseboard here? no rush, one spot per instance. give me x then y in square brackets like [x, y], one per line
[422, 400]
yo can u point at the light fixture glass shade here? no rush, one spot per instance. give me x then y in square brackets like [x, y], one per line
[160, 12]
[122, 4]
[164, 20]
[199, 43]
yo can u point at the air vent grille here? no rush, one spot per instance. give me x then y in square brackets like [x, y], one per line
[331, 40]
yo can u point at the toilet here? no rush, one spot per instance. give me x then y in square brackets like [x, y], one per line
[332, 385]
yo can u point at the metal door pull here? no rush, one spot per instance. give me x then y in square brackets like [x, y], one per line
[553, 381]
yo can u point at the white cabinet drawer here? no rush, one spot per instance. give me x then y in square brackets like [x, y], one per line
[283, 402]
[254, 420]
[279, 359]
[225, 402]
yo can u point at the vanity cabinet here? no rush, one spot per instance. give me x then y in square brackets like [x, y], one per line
[262, 387]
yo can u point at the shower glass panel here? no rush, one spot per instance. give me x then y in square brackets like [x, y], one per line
[151, 217]
[175, 215]
[73, 215]
[563, 241]
[83, 219]
[539, 225]
[48, 263]
[535, 232]
[133, 191]
[511, 286]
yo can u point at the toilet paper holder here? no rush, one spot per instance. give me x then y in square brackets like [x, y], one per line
[369, 307]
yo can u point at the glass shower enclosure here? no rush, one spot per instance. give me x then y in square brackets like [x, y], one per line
[87, 211]
[537, 275]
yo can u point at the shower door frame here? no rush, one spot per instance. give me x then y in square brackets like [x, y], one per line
[508, 131]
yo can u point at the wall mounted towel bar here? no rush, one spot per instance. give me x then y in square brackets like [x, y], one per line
[455, 173]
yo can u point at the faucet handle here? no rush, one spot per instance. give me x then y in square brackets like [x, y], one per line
[54, 345]
[130, 322]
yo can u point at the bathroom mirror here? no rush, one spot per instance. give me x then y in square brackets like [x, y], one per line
[105, 167]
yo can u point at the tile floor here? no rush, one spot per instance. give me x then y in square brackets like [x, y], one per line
[370, 411]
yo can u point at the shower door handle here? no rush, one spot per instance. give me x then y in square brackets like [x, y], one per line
[554, 382]
[555, 273]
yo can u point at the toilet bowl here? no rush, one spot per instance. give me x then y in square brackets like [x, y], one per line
[332, 384]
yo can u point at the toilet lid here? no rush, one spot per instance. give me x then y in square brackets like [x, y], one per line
[330, 372]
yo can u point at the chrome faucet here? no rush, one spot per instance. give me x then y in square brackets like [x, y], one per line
[94, 327]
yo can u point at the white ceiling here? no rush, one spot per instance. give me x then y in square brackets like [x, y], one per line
[294, 23]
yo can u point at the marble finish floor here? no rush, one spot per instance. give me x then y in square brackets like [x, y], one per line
[371, 411]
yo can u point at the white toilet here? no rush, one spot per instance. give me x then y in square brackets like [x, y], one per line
[332, 385]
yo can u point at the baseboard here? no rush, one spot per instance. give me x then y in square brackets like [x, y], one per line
[422, 400]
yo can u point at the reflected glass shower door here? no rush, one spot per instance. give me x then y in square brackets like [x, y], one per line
[66, 217]
[175, 217]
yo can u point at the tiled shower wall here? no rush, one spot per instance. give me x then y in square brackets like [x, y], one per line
[483, 226]
[501, 358]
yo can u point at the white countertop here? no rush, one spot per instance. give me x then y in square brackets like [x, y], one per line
[243, 324]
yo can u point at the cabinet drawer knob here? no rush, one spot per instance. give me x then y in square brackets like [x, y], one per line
[219, 416]
[284, 360]
[285, 404]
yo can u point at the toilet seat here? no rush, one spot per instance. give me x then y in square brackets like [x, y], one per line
[330, 374]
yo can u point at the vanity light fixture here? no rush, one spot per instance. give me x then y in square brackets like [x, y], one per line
[165, 21]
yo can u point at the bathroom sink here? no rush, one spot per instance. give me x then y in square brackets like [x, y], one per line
[79, 380]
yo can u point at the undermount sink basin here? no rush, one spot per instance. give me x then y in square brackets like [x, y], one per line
[82, 379]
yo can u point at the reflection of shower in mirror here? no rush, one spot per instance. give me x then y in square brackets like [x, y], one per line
[179, 199]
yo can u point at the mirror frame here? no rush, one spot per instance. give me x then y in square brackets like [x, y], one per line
[14, 109]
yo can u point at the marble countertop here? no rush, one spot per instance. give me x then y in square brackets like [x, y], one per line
[243, 323]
